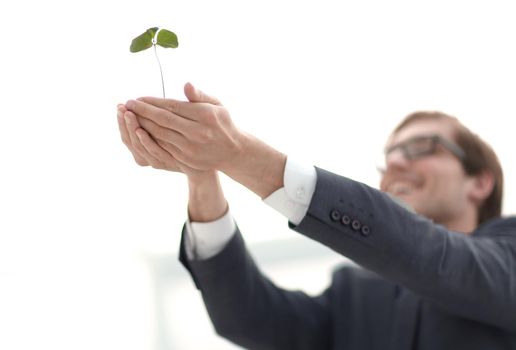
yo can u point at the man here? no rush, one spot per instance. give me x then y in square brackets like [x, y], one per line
[439, 264]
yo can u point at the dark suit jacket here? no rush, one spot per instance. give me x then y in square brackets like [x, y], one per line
[421, 286]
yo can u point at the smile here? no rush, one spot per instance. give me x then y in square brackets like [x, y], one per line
[401, 188]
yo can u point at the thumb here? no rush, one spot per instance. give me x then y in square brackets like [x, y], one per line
[195, 95]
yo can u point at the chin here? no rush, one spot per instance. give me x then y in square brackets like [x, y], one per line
[404, 201]
[409, 200]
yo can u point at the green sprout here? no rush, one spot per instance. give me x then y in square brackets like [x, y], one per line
[152, 37]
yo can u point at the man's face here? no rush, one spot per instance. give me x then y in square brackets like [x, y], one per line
[432, 181]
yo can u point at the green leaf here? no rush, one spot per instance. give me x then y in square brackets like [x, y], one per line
[143, 41]
[167, 38]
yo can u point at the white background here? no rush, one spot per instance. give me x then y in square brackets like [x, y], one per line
[324, 81]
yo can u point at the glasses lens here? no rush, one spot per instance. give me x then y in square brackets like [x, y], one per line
[418, 147]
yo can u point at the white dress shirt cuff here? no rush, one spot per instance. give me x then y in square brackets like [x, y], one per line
[206, 239]
[294, 198]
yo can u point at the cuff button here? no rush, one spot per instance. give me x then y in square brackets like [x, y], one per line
[335, 215]
[346, 220]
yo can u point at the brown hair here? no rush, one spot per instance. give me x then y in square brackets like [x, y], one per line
[479, 158]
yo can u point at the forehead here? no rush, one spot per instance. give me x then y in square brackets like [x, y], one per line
[439, 127]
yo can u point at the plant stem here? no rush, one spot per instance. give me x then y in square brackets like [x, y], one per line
[160, 70]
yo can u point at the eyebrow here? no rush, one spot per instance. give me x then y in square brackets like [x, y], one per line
[412, 138]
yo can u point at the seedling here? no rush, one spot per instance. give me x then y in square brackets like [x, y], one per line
[152, 37]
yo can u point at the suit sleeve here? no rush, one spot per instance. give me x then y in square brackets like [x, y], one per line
[470, 276]
[248, 309]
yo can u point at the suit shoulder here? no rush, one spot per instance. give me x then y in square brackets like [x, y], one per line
[504, 227]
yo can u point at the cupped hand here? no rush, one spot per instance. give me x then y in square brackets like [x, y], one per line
[199, 134]
[145, 150]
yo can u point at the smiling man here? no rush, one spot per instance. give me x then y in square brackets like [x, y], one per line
[438, 263]
[443, 171]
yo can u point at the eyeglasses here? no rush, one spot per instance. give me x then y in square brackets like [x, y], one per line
[422, 146]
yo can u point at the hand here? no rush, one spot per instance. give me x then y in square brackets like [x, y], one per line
[206, 199]
[199, 134]
[145, 150]
[126, 137]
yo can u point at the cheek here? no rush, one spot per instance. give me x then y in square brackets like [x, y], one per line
[382, 184]
[446, 178]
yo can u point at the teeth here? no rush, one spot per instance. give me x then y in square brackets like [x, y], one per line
[400, 188]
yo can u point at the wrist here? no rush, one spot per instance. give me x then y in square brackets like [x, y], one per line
[257, 166]
[206, 200]
[202, 178]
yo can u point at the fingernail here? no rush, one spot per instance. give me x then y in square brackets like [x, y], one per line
[130, 104]
[127, 119]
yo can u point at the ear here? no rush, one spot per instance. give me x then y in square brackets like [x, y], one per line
[482, 186]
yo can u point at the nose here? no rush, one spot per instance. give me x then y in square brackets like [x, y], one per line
[395, 160]
[393, 163]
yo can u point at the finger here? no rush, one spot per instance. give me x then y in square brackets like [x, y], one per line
[160, 133]
[139, 159]
[175, 152]
[179, 156]
[156, 151]
[124, 134]
[196, 95]
[170, 148]
[132, 125]
[163, 112]
[189, 111]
